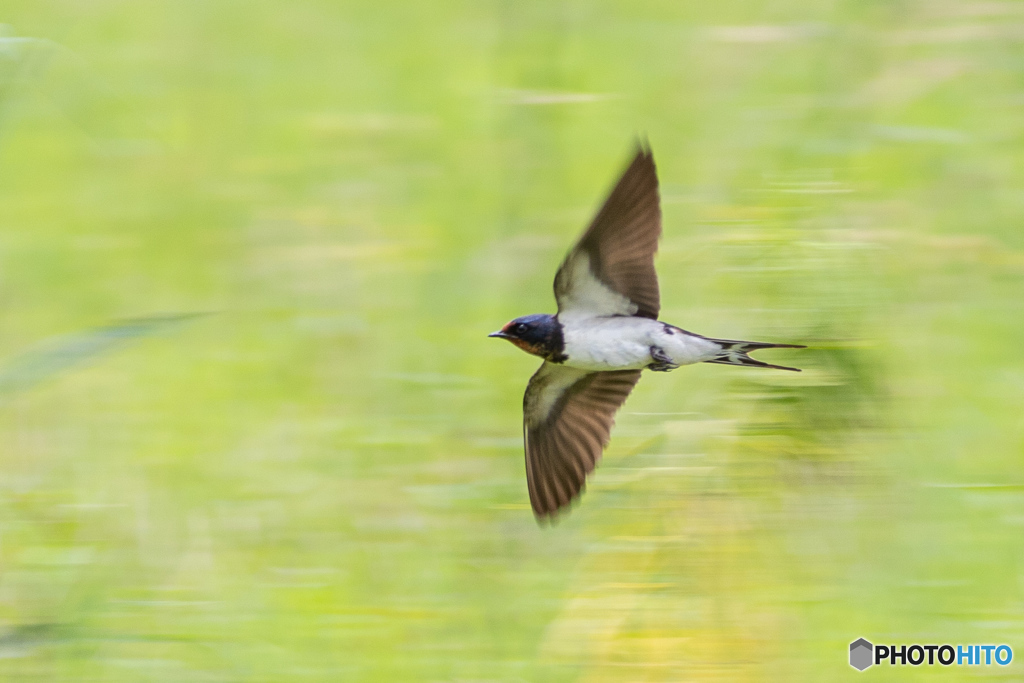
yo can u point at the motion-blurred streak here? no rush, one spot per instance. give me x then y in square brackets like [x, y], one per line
[22, 640]
[58, 354]
[21, 59]
[39, 67]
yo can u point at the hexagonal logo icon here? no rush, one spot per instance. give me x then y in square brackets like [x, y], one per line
[861, 654]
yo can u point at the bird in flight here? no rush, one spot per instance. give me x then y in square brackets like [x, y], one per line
[606, 332]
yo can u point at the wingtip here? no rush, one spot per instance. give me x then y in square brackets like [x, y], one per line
[551, 517]
[545, 519]
[643, 147]
[643, 158]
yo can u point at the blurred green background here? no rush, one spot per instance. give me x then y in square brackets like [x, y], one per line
[251, 428]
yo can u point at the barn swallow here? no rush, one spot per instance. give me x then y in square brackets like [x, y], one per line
[606, 332]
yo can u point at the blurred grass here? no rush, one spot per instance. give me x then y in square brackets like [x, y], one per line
[323, 479]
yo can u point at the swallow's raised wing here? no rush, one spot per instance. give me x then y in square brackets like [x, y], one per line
[567, 417]
[610, 271]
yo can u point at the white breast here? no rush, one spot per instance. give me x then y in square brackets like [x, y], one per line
[624, 343]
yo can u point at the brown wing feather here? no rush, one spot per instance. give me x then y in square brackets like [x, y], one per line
[568, 418]
[622, 240]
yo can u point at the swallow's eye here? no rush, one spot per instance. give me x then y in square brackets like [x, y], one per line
[521, 328]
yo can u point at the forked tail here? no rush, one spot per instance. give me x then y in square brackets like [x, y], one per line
[735, 353]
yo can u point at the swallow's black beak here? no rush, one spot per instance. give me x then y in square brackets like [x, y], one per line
[500, 334]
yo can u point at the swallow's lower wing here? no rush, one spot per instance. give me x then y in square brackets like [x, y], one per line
[567, 418]
[610, 271]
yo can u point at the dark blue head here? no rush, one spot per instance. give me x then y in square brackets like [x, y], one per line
[539, 334]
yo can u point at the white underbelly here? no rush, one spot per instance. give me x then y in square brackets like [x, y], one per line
[624, 343]
[607, 352]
